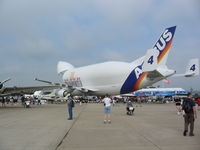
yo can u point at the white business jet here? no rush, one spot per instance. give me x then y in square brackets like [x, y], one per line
[116, 78]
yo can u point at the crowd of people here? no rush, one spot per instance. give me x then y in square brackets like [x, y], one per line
[21, 100]
[187, 106]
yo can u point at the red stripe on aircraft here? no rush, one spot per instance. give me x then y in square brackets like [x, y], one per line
[160, 57]
[136, 87]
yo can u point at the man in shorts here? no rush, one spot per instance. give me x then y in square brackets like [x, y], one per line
[107, 109]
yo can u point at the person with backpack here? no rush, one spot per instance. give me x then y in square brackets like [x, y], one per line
[70, 104]
[190, 114]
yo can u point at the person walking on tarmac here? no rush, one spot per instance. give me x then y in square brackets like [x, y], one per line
[70, 104]
[190, 114]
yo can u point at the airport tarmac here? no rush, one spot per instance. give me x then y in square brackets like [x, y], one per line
[153, 127]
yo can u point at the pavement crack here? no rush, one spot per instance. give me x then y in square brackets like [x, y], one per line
[151, 142]
[59, 144]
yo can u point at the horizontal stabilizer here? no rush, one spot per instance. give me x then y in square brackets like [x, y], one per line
[165, 72]
[160, 72]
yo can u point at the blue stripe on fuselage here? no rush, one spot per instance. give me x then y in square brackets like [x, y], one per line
[163, 44]
[131, 81]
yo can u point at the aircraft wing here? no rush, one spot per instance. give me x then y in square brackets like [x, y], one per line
[26, 90]
[85, 90]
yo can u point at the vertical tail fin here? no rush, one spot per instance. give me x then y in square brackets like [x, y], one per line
[164, 43]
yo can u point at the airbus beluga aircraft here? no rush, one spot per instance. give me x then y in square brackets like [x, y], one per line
[115, 77]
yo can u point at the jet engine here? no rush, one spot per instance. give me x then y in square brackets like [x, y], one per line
[61, 92]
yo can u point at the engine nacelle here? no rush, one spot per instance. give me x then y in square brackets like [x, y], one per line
[37, 94]
[61, 92]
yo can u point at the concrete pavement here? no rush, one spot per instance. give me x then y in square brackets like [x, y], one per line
[36, 128]
[153, 127]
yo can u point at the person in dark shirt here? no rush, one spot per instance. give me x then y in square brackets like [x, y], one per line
[189, 107]
[70, 104]
[3, 102]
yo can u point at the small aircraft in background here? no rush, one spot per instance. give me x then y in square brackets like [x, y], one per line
[7, 91]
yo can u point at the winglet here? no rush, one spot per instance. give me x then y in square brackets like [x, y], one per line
[192, 68]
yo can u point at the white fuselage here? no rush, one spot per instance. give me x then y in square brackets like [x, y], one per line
[106, 78]
[115, 78]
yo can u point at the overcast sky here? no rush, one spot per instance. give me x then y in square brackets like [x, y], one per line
[36, 34]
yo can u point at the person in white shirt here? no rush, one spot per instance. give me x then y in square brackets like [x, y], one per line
[107, 109]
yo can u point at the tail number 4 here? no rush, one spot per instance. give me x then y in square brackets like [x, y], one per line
[150, 61]
[193, 67]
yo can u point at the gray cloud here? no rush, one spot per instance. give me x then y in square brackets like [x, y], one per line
[79, 41]
[112, 55]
